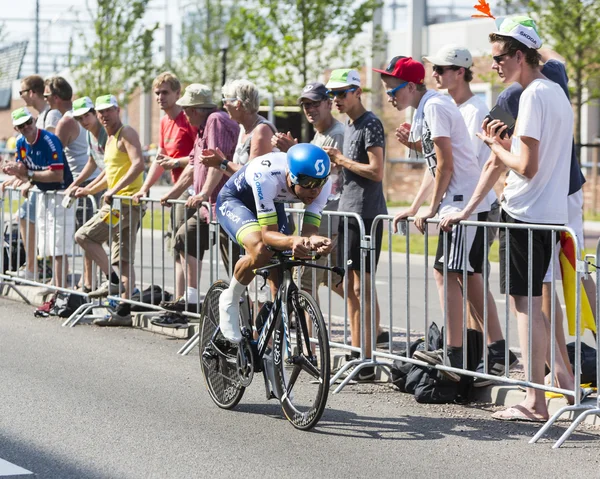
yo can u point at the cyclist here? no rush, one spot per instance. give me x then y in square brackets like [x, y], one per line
[250, 208]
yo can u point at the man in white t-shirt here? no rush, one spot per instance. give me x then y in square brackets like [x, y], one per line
[449, 184]
[452, 72]
[538, 158]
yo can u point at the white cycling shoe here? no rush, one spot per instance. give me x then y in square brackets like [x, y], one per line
[229, 317]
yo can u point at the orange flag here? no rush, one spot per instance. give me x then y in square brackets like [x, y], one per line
[484, 8]
[569, 274]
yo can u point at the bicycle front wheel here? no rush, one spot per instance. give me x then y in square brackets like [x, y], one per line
[218, 357]
[301, 363]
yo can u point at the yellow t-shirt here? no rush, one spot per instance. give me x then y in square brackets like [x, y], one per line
[117, 164]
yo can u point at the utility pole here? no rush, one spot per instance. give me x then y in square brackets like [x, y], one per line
[36, 61]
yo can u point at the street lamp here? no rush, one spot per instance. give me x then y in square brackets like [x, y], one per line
[223, 47]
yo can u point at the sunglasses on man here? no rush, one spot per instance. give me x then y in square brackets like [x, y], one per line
[498, 58]
[23, 125]
[440, 70]
[341, 94]
[309, 182]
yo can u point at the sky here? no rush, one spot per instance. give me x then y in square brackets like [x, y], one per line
[57, 24]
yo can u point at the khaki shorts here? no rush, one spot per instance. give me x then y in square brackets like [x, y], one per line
[320, 276]
[179, 215]
[123, 241]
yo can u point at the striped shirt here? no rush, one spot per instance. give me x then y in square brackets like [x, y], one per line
[222, 132]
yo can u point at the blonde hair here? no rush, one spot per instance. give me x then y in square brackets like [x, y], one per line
[244, 91]
[168, 78]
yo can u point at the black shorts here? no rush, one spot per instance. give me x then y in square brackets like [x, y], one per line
[518, 258]
[354, 238]
[474, 247]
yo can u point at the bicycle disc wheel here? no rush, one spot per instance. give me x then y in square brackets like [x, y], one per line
[302, 378]
[218, 356]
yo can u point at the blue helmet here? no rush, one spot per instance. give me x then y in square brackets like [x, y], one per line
[309, 165]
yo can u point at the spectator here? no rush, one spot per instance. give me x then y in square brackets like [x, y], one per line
[554, 69]
[124, 169]
[40, 162]
[452, 175]
[32, 93]
[317, 105]
[452, 72]
[362, 193]
[73, 136]
[176, 140]
[85, 114]
[534, 192]
[216, 132]
[241, 101]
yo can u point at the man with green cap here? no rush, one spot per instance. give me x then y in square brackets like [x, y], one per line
[538, 160]
[124, 169]
[361, 161]
[40, 162]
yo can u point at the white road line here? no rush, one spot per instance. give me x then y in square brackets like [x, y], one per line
[10, 469]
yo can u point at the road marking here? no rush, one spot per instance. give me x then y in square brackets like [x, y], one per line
[10, 469]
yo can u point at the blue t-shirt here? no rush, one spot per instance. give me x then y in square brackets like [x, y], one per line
[509, 101]
[45, 153]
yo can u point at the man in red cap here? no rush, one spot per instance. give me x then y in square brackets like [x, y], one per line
[439, 131]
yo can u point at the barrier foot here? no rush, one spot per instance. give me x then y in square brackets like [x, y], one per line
[552, 420]
[362, 364]
[190, 344]
[343, 369]
[79, 313]
[16, 290]
[573, 426]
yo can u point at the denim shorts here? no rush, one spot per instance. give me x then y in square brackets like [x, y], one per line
[28, 205]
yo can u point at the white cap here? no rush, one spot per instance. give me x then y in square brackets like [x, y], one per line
[451, 55]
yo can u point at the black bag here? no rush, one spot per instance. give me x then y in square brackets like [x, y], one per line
[146, 297]
[434, 388]
[65, 304]
[588, 362]
[13, 246]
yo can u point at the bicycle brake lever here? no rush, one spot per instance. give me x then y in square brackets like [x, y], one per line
[264, 274]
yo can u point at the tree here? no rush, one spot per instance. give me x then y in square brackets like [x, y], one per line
[284, 44]
[118, 53]
[570, 27]
[203, 31]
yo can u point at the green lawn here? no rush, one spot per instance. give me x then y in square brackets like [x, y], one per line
[158, 218]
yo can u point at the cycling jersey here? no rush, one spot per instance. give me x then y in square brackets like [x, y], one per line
[255, 195]
[45, 153]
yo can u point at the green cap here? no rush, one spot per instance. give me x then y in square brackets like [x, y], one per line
[106, 101]
[520, 28]
[343, 77]
[82, 105]
[20, 116]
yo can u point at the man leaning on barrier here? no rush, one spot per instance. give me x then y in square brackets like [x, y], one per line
[216, 132]
[40, 162]
[317, 105]
[450, 179]
[124, 169]
[535, 191]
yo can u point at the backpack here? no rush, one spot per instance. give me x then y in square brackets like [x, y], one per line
[146, 297]
[13, 246]
[65, 304]
[588, 362]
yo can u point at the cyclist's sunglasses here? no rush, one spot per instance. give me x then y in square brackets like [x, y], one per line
[23, 125]
[340, 93]
[309, 182]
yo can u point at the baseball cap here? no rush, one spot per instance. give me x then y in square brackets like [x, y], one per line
[198, 95]
[105, 102]
[82, 105]
[313, 91]
[404, 68]
[519, 27]
[451, 55]
[20, 116]
[343, 77]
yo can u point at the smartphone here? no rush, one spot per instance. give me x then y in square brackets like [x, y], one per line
[499, 113]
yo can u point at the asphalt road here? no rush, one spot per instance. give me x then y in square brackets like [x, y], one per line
[87, 402]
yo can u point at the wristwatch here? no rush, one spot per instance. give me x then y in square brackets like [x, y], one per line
[223, 164]
[177, 164]
[30, 174]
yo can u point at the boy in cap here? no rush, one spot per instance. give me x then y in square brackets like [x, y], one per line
[361, 160]
[452, 72]
[449, 182]
[538, 158]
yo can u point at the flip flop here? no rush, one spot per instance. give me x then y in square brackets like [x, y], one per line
[517, 413]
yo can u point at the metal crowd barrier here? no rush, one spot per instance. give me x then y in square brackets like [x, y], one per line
[11, 203]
